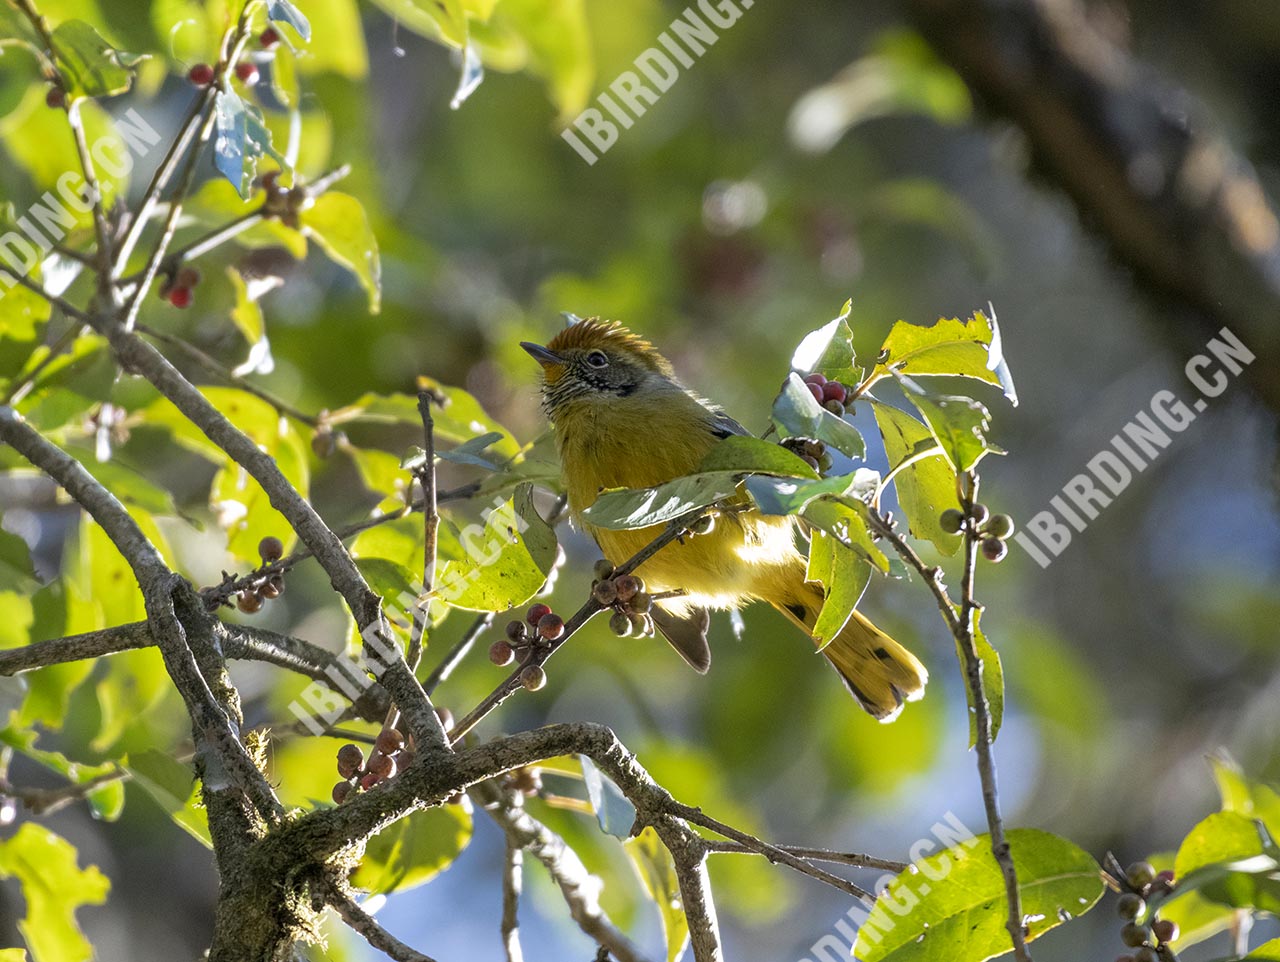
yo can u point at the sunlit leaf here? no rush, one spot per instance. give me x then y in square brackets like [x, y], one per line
[106, 801]
[949, 347]
[843, 575]
[959, 424]
[639, 508]
[952, 905]
[993, 683]
[89, 65]
[1232, 859]
[339, 224]
[756, 456]
[657, 871]
[829, 351]
[414, 850]
[927, 485]
[54, 886]
[172, 786]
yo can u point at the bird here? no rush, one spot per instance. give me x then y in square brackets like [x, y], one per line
[622, 419]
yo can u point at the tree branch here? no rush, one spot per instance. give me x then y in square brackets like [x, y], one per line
[512, 882]
[373, 933]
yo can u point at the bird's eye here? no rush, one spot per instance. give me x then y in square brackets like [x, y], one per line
[598, 359]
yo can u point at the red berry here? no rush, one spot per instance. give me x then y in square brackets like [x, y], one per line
[350, 760]
[535, 613]
[551, 626]
[389, 741]
[368, 780]
[201, 75]
[247, 73]
[501, 653]
[383, 766]
[627, 586]
[269, 38]
[834, 391]
[816, 378]
[816, 391]
[180, 297]
[56, 97]
[1167, 875]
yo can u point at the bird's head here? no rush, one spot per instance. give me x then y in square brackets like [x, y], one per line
[596, 361]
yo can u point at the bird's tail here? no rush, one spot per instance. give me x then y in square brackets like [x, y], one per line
[879, 672]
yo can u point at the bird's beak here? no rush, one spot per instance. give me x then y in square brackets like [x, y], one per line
[546, 358]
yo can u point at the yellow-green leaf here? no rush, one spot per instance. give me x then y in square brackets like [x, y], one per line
[339, 224]
[657, 871]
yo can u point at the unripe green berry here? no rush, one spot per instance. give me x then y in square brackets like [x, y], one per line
[1130, 905]
[952, 521]
[835, 407]
[1134, 935]
[533, 678]
[603, 569]
[1000, 526]
[1140, 874]
[640, 602]
[620, 624]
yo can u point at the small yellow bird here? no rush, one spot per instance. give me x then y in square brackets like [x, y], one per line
[623, 420]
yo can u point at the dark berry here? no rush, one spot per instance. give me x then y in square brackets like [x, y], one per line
[341, 791]
[501, 653]
[1164, 878]
[271, 548]
[812, 462]
[533, 678]
[979, 513]
[815, 390]
[201, 75]
[1146, 954]
[816, 378]
[1140, 874]
[249, 602]
[834, 391]
[627, 586]
[605, 592]
[350, 760]
[55, 97]
[516, 630]
[704, 525]
[323, 443]
[384, 766]
[269, 38]
[835, 407]
[368, 780]
[446, 718]
[952, 521]
[1165, 930]
[1000, 526]
[389, 741]
[550, 626]
[640, 602]
[180, 296]
[994, 550]
[602, 569]
[188, 277]
[1134, 935]
[620, 624]
[1130, 905]
[269, 589]
[535, 613]
[247, 73]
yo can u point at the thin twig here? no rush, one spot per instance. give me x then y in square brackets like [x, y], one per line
[442, 671]
[61, 303]
[47, 801]
[367, 926]
[512, 883]
[426, 476]
[856, 859]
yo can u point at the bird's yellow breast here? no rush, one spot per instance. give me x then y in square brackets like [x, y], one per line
[621, 443]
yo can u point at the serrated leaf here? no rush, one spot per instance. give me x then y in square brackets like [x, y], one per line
[796, 413]
[616, 815]
[54, 887]
[927, 485]
[89, 65]
[993, 683]
[949, 347]
[829, 351]
[952, 905]
[657, 870]
[339, 224]
[959, 424]
[414, 850]
[507, 561]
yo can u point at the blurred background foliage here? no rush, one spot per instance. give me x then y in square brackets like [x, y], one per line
[816, 152]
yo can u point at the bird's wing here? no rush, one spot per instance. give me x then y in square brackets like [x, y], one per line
[687, 634]
[723, 426]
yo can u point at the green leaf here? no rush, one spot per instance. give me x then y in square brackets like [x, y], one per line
[414, 849]
[1267, 952]
[507, 560]
[218, 201]
[53, 887]
[460, 419]
[23, 314]
[89, 65]
[614, 812]
[788, 496]
[844, 577]
[247, 317]
[172, 786]
[551, 39]
[1246, 797]
[657, 871]
[106, 801]
[625, 508]
[1197, 917]
[968, 348]
[959, 424]
[755, 456]
[992, 679]
[1231, 858]
[339, 224]
[470, 452]
[829, 351]
[797, 414]
[952, 905]
[927, 485]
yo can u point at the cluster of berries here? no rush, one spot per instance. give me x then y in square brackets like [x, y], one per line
[625, 594]
[811, 452]
[270, 585]
[177, 288]
[202, 74]
[283, 203]
[992, 529]
[830, 394]
[540, 627]
[390, 754]
[1151, 941]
